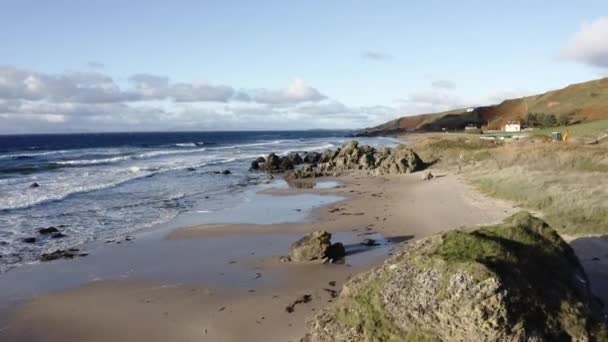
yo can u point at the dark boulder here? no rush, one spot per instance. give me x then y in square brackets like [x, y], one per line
[257, 164]
[286, 164]
[48, 230]
[295, 158]
[312, 157]
[29, 240]
[272, 163]
[61, 254]
[34, 185]
[226, 172]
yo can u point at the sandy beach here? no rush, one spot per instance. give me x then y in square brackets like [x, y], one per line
[224, 282]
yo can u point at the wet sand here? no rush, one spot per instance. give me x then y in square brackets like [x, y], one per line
[223, 281]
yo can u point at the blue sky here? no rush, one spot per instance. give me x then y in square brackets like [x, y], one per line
[282, 65]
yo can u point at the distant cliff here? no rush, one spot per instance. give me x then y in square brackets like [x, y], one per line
[579, 102]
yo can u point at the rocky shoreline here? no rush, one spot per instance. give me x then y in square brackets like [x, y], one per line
[350, 157]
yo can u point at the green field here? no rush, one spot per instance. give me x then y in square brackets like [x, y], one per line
[591, 129]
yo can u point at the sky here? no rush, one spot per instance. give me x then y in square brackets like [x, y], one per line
[114, 65]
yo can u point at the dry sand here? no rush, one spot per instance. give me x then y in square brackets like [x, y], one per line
[400, 208]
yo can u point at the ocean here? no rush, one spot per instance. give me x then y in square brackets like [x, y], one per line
[108, 185]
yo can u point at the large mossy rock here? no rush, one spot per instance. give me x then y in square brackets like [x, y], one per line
[517, 281]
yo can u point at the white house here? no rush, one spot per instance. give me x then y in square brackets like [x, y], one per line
[513, 127]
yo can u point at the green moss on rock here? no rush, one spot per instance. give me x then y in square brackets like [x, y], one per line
[509, 282]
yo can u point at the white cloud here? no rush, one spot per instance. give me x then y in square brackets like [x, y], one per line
[84, 87]
[185, 92]
[296, 92]
[376, 55]
[33, 101]
[154, 87]
[443, 84]
[95, 87]
[590, 44]
[150, 86]
[83, 102]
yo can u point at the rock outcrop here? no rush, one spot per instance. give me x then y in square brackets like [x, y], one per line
[315, 246]
[517, 281]
[351, 156]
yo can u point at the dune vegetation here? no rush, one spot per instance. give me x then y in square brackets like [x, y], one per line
[566, 183]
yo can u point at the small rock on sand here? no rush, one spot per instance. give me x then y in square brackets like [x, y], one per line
[312, 246]
[369, 242]
[427, 175]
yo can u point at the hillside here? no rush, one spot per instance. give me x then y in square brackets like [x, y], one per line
[580, 102]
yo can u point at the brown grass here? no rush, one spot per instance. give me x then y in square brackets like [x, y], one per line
[566, 182]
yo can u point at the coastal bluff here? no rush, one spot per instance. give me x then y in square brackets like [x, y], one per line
[514, 281]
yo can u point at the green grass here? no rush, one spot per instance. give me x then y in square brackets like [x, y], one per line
[572, 202]
[366, 312]
[566, 183]
[544, 292]
[591, 129]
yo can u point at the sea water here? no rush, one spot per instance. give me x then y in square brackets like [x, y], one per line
[103, 186]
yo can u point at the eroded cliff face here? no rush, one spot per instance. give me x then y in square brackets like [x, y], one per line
[517, 281]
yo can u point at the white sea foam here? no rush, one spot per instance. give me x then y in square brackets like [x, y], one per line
[186, 145]
[93, 161]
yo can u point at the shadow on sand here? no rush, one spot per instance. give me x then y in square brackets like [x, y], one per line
[592, 253]
[356, 248]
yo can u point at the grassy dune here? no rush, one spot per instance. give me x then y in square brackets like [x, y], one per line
[567, 183]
